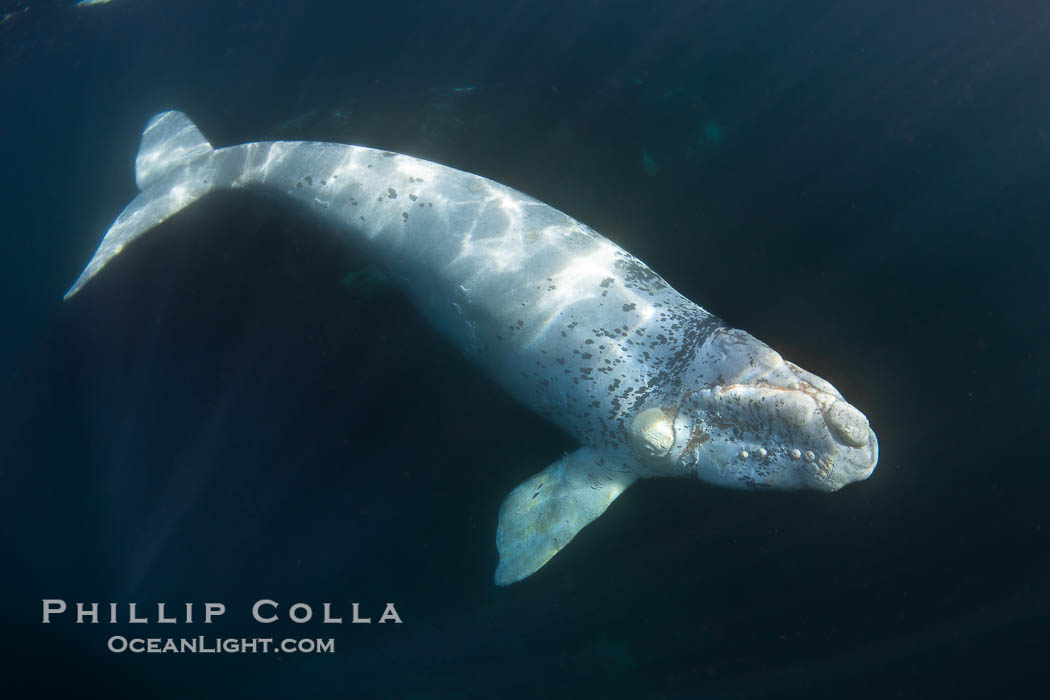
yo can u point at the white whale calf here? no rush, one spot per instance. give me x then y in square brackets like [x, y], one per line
[565, 320]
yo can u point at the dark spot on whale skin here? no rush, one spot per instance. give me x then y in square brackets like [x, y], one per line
[391, 193]
[404, 215]
[309, 180]
[753, 485]
[628, 307]
[606, 282]
[586, 356]
[413, 197]
[388, 154]
[637, 275]
[298, 185]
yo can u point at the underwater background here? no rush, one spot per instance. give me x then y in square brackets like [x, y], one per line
[240, 409]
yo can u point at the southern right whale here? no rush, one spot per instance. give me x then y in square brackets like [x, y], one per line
[566, 321]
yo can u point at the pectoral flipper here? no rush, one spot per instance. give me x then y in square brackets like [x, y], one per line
[545, 512]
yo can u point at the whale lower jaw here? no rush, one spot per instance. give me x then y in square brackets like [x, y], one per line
[762, 436]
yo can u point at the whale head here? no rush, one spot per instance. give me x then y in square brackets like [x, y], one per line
[754, 420]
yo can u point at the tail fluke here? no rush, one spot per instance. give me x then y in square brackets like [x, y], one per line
[170, 144]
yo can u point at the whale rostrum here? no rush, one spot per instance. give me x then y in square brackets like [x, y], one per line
[566, 321]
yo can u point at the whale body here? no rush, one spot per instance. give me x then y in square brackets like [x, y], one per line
[566, 321]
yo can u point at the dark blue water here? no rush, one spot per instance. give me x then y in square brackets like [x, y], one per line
[862, 185]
